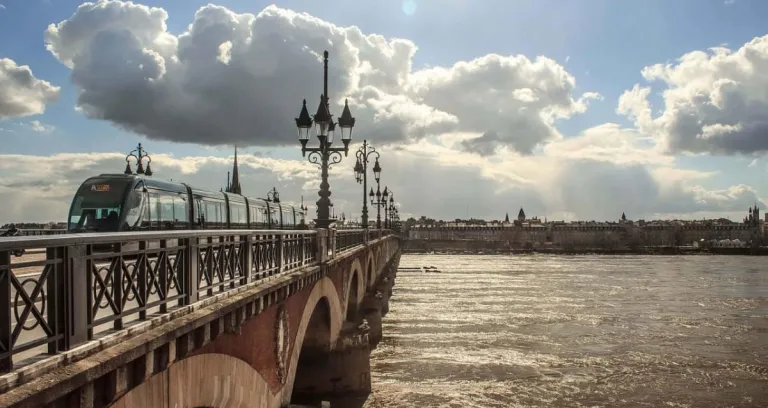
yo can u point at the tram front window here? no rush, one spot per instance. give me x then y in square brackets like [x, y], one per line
[97, 206]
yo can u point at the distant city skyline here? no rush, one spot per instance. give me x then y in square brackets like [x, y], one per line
[577, 111]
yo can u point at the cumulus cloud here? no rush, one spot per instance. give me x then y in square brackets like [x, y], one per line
[21, 94]
[240, 78]
[714, 102]
[40, 127]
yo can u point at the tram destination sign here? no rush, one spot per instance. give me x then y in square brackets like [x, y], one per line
[100, 187]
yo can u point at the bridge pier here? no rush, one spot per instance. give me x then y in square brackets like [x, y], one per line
[376, 303]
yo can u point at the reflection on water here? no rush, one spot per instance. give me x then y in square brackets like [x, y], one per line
[575, 331]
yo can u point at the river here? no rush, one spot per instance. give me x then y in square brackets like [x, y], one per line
[575, 331]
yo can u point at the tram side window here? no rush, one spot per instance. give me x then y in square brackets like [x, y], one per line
[214, 214]
[274, 218]
[180, 211]
[200, 220]
[134, 208]
[237, 215]
[258, 217]
[288, 219]
[165, 204]
[150, 220]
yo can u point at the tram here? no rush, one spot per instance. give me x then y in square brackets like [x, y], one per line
[120, 202]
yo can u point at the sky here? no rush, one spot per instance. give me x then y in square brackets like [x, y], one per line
[577, 110]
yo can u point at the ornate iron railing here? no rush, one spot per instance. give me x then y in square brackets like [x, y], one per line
[346, 239]
[87, 283]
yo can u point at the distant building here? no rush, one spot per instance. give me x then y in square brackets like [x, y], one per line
[624, 233]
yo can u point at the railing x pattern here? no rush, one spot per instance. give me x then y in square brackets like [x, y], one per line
[88, 283]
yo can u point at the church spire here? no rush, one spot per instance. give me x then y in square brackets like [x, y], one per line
[521, 215]
[506, 219]
[234, 186]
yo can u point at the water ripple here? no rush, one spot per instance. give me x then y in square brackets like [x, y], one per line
[575, 331]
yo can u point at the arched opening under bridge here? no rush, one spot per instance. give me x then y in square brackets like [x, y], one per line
[311, 370]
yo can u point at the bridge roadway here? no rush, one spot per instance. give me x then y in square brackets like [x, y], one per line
[98, 320]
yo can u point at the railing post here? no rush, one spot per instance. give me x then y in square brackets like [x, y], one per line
[210, 251]
[77, 296]
[279, 252]
[303, 249]
[366, 238]
[232, 242]
[141, 278]
[190, 270]
[6, 331]
[56, 293]
[322, 245]
[247, 259]
[117, 287]
[162, 272]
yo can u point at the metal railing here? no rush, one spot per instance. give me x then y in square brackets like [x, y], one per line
[90, 283]
[349, 238]
[38, 231]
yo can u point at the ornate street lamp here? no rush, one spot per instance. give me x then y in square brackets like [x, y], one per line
[274, 197]
[378, 199]
[361, 173]
[321, 155]
[139, 154]
[390, 210]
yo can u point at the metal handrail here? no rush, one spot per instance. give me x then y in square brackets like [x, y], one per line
[38, 241]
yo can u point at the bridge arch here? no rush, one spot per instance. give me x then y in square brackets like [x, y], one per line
[204, 380]
[323, 315]
[355, 290]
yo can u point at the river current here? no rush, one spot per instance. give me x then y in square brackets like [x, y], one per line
[575, 331]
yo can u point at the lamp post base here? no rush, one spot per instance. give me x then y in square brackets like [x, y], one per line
[324, 223]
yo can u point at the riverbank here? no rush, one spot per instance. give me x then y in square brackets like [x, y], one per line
[478, 249]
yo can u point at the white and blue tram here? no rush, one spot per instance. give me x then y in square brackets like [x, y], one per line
[119, 202]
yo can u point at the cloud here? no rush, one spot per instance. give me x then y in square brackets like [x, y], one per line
[40, 127]
[609, 142]
[426, 179]
[240, 78]
[21, 94]
[714, 102]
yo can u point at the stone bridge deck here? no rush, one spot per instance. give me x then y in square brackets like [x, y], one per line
[198, 319]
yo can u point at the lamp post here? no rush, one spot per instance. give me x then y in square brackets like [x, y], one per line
[139, 154]
[361, 173]
[390, 209]
[380, 200]
[274, 196]
[324, 153]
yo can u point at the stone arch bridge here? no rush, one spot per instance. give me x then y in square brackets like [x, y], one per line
[193, 319]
